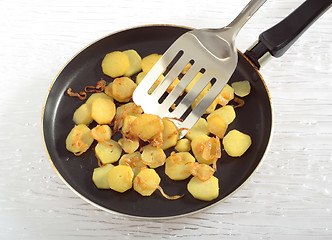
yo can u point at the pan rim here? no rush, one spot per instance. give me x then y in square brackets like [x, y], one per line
[145, 217]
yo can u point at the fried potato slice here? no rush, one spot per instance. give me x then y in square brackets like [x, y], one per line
[134, 62]
[177, 166]
[146, 182]
[226, 95]
[227, 113]
[148, 62]
[133, 160]
[82, 115]
[183, 145]
[200, 128]
[153, 156]
[120, 178]
[122, 89]
[129, 145]
[101, 133]
[170, 134]
[103, 110]
[108, 151]
[241, 88]
[216, 125]
[206, 191]
[236, 143]
[115, 64]
[99, 176]
[206, 149]
[79, 140]
[146, 126]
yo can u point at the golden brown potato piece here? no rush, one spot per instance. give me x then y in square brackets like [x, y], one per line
[79, 140]
[153, 157]
[115, 64]
[236, 143]
[177, 165]
[206, 149]
[101, 133]
[129, 145]
[217, 125]
[183, 145]
[202, 171]
[128, 109]
[205, 191]
[103, 110]
[134, 62]
[200, 127]
[99, 176]
[146, 182]
[148, 62]
[82, 115]
[133, 160]
[120, 178]
[227, 113]
[226, 95]
[146, 126]
[170, 134]
[94, 96]
[122, 89]
[108, 151]
[241, 88]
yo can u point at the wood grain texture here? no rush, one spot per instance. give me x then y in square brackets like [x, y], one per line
[290, 196]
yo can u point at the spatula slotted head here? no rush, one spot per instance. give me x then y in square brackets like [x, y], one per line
[177, 104]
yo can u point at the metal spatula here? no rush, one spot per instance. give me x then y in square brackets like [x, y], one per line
[209, 51]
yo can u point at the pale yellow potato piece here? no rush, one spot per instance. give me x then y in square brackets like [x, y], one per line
[133, 160]
[108, 151]
[101, 133]
[211, 108]
[115, 64]
[82, 115]
[226, 95]
[146, 126]
[241, 88]
[128, 109]
[129, 145]
[134, 62]
[79, 140]
[227, 113]
[153, 156]
[94, 96]
[236, 143]
[170, 134]
[206, 191]
[122, 89]
[146, 182]
[217, 125]
[206, 149]
[183, 145]
[103, 110]
[120, 178]
[200, 127]
[148, 62]
[140, 77]
[177, 165]
[99, 176]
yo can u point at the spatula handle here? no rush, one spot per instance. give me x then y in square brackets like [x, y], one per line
[245, 15]
[278, 39]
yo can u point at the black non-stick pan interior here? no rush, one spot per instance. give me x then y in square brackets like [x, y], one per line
[255, 119]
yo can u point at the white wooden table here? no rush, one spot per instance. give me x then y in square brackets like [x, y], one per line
[290, 196]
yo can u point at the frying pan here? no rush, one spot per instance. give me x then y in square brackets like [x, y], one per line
[255, 118]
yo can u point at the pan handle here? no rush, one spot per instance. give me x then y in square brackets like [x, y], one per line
[278, 39]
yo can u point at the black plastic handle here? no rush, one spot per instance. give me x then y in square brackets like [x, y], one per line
[278, 39]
